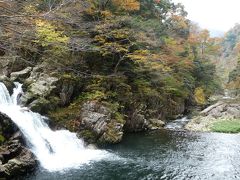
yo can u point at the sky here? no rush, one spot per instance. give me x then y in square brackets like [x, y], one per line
[216, 15]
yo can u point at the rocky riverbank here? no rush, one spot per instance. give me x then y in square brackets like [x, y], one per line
[224, 110]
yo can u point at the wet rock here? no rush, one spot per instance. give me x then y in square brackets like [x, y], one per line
[20, 165]
[3, 172]
[16, 159]
[7, 127]
[8, 83]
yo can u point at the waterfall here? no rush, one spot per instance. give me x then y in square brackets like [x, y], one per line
[55, 150]
[177, 124]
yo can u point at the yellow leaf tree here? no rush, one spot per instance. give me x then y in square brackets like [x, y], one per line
[199, 96]
[128, 5]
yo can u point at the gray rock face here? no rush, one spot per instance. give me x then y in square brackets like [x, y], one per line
[222, 109]
[136, 123]
[9, 64]
[39, 87]
[66, 92]
[97, 118]
[21, 75]
[94, 118]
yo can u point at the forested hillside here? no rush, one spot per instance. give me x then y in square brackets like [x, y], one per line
[230, 63]
[234, 80]
[135, 62]
[229, 53]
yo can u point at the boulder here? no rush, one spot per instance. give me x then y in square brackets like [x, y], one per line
[40, 105]
[42, 87]
[21, 75]
[39, 87]
[136, 123]
[113, 133]
[156, 124]
[24, 163]
[15, 158]
[7, 127]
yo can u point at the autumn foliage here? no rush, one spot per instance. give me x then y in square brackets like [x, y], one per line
[135, 55]
[128, 5]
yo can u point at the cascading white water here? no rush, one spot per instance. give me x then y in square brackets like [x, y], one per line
[55, 150]
[177, 124]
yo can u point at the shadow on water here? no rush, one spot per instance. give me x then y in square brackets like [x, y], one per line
[163, 155]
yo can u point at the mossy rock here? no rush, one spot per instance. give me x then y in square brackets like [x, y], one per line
[88, 136]
[113, 134]
[43, 105]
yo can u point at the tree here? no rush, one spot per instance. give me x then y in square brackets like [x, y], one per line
[128, 5]
[204, 38]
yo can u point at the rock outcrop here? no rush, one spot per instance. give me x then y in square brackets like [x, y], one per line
[21, 75]
[138, 123]
[39, 87]
[9, 64]
[98, 123]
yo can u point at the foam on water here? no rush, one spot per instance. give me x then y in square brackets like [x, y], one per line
[55, 150]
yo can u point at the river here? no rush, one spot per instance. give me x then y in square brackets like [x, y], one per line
[166, 154]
